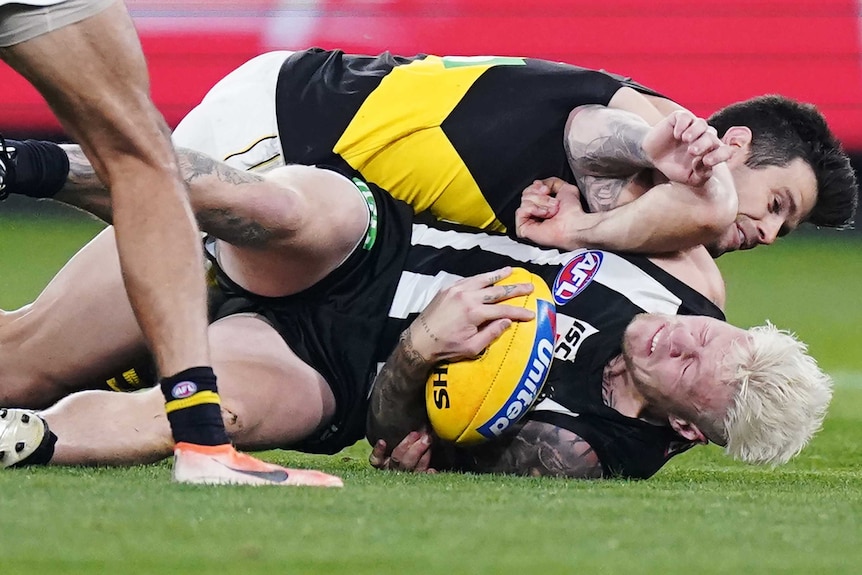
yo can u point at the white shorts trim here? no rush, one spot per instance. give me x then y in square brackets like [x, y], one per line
[236, 120]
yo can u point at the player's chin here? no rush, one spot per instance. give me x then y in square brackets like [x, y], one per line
[720, 247]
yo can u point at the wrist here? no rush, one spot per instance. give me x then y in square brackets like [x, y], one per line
[646, 160]
[583, 235]
[417, 345]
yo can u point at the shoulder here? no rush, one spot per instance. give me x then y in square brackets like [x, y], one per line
[650, 108]
[697, 269]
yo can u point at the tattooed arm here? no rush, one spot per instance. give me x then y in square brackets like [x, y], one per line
[236, 206]
[397, 403]
[279, 234]
[650, 189]
[535, 449]
[614, 142]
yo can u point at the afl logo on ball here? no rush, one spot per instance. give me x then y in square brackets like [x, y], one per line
[183, 390]
[576, 276]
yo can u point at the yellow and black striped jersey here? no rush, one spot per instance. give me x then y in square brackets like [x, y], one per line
[460, 137]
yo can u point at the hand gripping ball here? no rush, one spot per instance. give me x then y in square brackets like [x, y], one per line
[474, 400]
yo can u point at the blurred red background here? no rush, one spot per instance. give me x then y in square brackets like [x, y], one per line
[702, 54]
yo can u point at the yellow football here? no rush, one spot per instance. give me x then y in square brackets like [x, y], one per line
[474, 400]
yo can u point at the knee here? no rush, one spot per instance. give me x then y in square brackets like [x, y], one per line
[22, 383]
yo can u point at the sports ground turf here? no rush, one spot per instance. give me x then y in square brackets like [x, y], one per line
[701, 514]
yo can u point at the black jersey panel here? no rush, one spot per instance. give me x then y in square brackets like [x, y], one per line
[508, 128]
[627, 448]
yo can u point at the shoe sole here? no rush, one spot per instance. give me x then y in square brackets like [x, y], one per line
[21, 432]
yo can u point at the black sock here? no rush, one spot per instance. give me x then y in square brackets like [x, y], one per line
[40, 169]
[194, 407]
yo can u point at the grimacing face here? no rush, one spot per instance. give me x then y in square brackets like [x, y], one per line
[678, 362]
[773, 201]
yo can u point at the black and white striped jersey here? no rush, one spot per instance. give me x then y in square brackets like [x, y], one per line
[597, 294]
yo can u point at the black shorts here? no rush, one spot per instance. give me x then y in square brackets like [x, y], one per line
[335, 325]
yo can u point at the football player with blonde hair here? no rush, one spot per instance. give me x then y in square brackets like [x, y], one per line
[317, 278]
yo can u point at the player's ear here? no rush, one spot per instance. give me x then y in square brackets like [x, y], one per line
[687, 429]
[737, 136]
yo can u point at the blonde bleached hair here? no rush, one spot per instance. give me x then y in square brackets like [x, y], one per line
[781, 397]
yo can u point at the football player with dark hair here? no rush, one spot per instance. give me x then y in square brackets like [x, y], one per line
[463, 137]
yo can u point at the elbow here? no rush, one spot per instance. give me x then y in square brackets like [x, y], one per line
[716, 211]
[724, 210]
[285, 213]
[373, 431]
[722, 199]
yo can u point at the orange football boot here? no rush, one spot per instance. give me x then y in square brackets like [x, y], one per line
[223, 464]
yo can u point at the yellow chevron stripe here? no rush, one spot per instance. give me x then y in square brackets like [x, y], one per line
[132, 378]
[112, 383]
[400, 122]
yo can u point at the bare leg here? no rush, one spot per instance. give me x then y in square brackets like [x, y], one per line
[94, 76]
[295, 226]
[270, 399]
[79, 331]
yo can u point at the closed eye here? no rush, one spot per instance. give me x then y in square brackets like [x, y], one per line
[776, 206]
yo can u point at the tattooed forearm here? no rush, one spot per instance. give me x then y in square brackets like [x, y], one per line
[538, 449]
[224, 221]
[604, 150]
[195, 165]
[234, 228]
[205, 178]
[83, 189]
[397, 403]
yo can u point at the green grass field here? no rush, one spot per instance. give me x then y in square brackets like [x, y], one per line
[701, 514]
